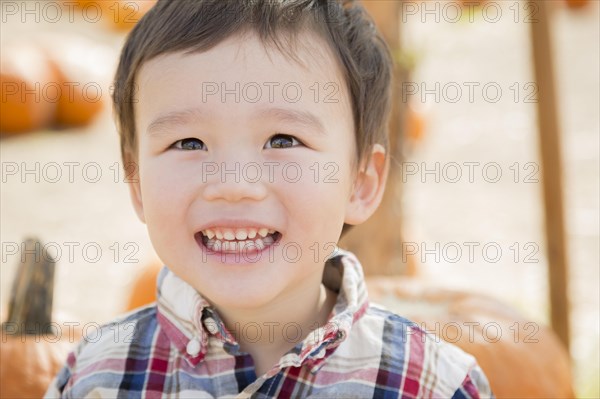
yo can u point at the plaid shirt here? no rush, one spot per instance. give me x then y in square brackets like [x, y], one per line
[179, 348]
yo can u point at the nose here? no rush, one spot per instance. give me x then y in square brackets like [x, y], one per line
[235, 181]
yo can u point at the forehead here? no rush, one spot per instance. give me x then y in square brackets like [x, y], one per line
[242, 75]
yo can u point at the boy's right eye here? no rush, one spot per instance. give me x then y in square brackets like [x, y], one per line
[189, 144]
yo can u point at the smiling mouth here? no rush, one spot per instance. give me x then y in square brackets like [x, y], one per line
[234, 245]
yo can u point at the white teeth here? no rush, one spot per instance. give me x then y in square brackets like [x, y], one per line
[217, 245]
[259, 243]
[228, 235]
[239, 240]
[239, 234]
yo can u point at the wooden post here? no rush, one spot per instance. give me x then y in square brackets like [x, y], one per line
[383, 254]
[551, 167]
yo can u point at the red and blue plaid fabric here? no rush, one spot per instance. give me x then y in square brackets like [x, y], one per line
[364, 351]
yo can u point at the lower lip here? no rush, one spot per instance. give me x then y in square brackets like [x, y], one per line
[245, 257]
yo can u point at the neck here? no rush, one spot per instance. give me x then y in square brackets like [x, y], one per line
[268, 332]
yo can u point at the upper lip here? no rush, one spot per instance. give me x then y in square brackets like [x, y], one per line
[236, 224]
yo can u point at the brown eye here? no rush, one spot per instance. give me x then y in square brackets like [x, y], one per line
[189, 144]
[281, 141]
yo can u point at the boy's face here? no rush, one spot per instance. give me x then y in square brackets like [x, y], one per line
[238, 138]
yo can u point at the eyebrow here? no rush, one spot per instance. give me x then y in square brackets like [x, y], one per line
[304, 118]
[174, 118]
[185, 117]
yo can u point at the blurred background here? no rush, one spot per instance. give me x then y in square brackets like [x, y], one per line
[468, 182]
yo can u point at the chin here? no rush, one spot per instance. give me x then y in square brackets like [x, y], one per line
[242, 300]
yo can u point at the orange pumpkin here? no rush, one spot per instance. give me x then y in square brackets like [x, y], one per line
[577, 3]
[29, 89]
[33, 349]
[121, 15]
[41, 358]
[83, 67]
[144, 287]
[83, 3]
[414, 124]
[124, 14]
[521, 359]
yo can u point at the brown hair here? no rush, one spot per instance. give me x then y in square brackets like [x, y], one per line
[198, 25]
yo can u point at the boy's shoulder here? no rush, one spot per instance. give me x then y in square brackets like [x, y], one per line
[408, 358]
[120, 332]
[107, 348]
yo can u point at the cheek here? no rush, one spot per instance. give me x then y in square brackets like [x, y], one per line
[164, 193]
[318, 200]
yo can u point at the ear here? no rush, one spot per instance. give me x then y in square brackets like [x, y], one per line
[368, 188]
[132, 179]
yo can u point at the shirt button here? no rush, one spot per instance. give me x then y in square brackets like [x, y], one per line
[193, 347]
[211, 325]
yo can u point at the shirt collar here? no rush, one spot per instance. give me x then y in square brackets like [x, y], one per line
[189, 320]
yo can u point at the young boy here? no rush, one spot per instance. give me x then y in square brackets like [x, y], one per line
[258, 133]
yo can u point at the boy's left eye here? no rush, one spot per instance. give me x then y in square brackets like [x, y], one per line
[281, 141]
[188, 144]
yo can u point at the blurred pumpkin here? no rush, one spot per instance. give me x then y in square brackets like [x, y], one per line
[33, 348]
[53, 80]
[520, 358]
[124, 14]
[121, 15]
[29, 90]
[83, 67]
[577, 3]
[144, 287]
[83, 3]
[414, 123]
